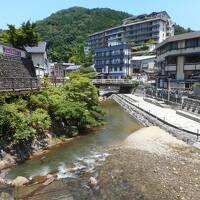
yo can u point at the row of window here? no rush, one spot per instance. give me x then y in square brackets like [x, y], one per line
[110, 53]
[172, 60]
[142, 30]
[190, 43]
[142, 36]
[111, 69]
[107, 62]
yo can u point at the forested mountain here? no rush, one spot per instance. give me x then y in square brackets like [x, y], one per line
[180, 30]
[66, 31]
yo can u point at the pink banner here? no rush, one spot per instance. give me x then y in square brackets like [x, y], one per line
[12, 51]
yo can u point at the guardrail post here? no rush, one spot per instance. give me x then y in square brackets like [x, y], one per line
[31, 84]
[13, 85]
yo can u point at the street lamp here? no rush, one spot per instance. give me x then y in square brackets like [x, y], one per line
[169, 88]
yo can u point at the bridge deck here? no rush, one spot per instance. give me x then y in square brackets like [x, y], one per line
[117, 82]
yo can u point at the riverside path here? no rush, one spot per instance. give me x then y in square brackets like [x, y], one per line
[168, 115]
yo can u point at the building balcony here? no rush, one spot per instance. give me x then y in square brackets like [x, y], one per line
[191, 66]
[170, 68]
[179, 52]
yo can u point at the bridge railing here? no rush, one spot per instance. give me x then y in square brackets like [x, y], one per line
[19, 84]
[113, 81]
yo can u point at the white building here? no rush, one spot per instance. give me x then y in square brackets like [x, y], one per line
[39, 57]
[178, 60]
[143, 67]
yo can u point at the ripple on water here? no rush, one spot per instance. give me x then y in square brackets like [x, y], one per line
[85, 163]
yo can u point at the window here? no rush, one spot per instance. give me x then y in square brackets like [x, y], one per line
[192, 43]
[115, 69]
[120, 69]
[173, 46]
[192, 59]
[172, 60]
[107, 53]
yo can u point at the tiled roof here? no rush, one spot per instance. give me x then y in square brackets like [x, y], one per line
[41, 48]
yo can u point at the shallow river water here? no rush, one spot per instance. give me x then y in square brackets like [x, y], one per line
[84, 151]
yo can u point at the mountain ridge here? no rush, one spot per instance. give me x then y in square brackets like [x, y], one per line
[66, 30]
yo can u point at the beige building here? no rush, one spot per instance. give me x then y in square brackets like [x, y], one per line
[178, 60]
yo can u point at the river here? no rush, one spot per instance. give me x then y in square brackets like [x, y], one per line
[83, 152]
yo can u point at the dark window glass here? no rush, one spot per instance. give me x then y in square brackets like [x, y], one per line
[192, 43]
[171, 60]
[173, 46]
[192, 59]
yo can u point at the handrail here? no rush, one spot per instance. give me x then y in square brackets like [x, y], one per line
[19, 83]
[113, 81]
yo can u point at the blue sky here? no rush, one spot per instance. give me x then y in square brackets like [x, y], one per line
[183, 12]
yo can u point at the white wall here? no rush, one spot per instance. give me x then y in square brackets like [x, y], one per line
[162, 31]
[39, 61]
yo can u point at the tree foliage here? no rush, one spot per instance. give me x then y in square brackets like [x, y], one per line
[180, 30]
[75, 107]
[26, 35]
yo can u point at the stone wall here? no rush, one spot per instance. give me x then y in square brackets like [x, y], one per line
[17, 73]
[16, 67]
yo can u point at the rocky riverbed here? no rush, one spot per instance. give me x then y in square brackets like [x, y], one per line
[149, 165]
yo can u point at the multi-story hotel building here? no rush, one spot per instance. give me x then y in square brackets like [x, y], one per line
[178, 60]
[114, 41]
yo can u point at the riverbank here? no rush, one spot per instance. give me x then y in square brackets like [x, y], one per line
[82, 153]
[37, 148]
[146, 116]
[150, 164]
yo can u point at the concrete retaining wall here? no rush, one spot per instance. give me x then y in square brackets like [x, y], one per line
[148, 120]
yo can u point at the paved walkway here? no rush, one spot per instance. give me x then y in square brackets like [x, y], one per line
[167, 114]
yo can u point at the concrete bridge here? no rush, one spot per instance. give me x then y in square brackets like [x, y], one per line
[124, 85]
[113, 82]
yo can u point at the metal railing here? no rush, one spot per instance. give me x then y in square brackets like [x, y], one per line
[113, 81]
[19, 84]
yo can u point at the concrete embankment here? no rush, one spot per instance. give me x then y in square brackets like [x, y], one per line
[147, 119]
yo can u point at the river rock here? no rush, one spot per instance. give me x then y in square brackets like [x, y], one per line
[2, 165]
[93, 182]
[49, 181]
[20, 181]
[2, 181]
[50, 176]
[6, 196]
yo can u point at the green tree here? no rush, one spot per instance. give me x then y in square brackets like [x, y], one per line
[40, 120]
[26, 35]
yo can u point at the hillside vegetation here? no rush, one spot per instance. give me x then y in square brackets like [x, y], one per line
[66, 31]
